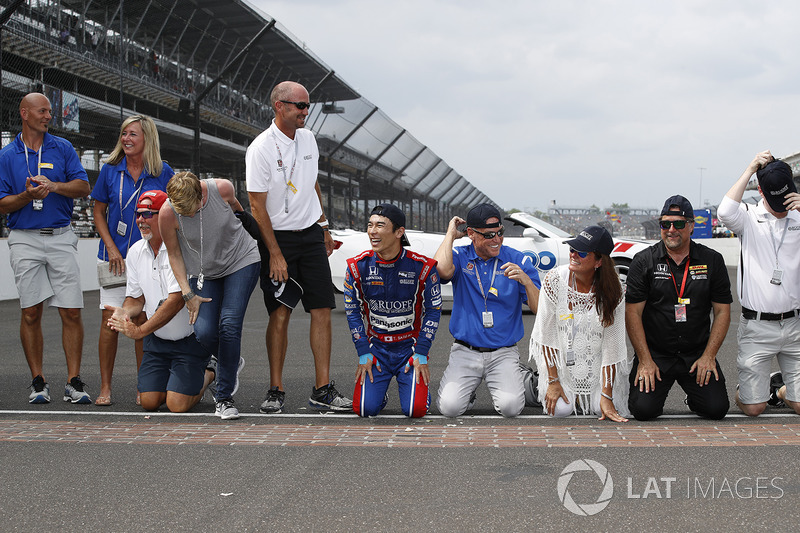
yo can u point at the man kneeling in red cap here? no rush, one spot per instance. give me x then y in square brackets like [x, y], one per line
[173, 369]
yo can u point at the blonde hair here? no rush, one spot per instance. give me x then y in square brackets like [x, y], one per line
[184, 193]
[152, 145]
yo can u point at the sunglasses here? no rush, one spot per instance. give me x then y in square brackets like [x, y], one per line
[146, 214]
[582, 255]
[299, 105]
[491, 234]
[678, 224]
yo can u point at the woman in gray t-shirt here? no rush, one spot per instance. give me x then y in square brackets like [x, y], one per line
[216, 263]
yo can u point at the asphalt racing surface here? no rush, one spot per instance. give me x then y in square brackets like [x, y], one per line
[118, 468]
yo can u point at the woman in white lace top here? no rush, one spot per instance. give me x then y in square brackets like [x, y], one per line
[578, 340]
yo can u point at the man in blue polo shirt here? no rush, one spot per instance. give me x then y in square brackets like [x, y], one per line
[490, 284]
[40, 175]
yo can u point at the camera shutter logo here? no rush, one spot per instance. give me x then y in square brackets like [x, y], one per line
[585, 509]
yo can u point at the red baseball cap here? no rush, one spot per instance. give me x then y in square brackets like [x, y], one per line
[156, 197]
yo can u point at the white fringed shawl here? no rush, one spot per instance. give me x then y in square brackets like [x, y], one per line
[601, 355]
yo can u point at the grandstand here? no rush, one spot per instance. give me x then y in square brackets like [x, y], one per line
[621, 221]
[204, 70]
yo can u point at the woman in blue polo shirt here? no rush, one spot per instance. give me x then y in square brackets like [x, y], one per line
[133, 166]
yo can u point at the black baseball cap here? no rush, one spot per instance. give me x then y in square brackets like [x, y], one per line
[393, 213]
[684, 207]
[478, 215]
[775, 180]
[593, 239]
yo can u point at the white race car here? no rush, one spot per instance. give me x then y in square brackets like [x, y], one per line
[542, 242]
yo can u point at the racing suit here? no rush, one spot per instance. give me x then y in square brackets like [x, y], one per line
[393, 309]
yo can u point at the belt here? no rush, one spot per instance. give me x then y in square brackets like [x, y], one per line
[749, 314]
[481, 350]
[295, 230]
[51, 231]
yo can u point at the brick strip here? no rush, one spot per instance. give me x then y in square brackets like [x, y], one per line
[427, 436]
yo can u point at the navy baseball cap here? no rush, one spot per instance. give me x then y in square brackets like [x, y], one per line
[593, 239]
[478, 215]
[393, 213]
[775, 180]
[684, 207]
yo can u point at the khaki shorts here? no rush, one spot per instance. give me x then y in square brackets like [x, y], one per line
[115, 296]
[759, 342]
[46, 268]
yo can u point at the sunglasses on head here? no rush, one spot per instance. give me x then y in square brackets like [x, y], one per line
[582, 255]
[298, 105]
[678, 224]
[145, 214]
[491, 234]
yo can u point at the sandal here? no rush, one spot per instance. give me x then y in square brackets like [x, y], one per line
[103, 400]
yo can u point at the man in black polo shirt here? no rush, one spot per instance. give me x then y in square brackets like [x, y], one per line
[672, 287]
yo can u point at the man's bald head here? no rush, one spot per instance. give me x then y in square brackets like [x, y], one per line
[36, 113]
[284, 91]
[32, 100]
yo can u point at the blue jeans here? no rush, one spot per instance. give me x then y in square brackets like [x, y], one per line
[219, 322]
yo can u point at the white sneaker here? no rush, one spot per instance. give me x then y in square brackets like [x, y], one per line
[238, 371]
[226, 410]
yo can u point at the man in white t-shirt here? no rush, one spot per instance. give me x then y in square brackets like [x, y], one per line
[768, 284]
[281, 170]
[173, 369]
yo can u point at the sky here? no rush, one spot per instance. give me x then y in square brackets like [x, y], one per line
[578, 102]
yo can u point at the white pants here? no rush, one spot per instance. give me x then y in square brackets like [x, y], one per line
[761, 341]
[467, 368]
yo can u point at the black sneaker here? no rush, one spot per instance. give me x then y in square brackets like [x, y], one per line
[40, 391]
[328, 398]
[273, 403]
[73, 391]
[530, 382]
[212, 387]
[775, 383]
[472, 399]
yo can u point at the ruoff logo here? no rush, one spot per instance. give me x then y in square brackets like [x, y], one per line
[585, 509]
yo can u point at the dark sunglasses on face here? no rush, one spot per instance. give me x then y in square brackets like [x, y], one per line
[298, 105]
[679, 224]
[582, 255]
[145, 214]
[491, 234]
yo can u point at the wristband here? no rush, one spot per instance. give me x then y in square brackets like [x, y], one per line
[188, 296]
[323, 224]
[423, 359]
[550, 381]
[606, 396]
[369, 358]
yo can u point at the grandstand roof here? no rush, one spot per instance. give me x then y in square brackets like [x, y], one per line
[216, 31]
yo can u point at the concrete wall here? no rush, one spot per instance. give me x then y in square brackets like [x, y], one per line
[87, 259]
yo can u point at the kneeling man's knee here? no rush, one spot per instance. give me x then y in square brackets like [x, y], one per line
[449, 401]
[509, 404]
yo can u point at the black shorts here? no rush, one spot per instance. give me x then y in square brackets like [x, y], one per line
[307, 262]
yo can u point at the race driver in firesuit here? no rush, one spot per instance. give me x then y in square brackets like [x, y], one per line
[393, 300]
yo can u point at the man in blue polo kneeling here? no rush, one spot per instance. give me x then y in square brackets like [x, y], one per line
[490, 284]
